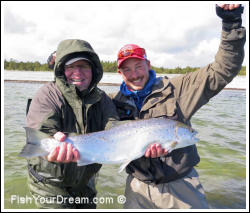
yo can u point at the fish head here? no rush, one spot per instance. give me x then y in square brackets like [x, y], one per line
[186, 135]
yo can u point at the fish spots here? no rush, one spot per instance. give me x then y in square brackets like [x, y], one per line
[103, 139]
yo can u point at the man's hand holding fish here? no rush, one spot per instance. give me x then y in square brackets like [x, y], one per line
[64, 153]
[155, 150]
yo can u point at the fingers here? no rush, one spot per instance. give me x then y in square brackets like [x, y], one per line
[221, 5]
[76, 155]
[165, 152]
[53, 155]
[228, 6]
[151, 151]
[69, 154]
[72, 154]
[234, 6]
[60, 136]
[159, 150]
[62, 152]
[148, 153]
[155, 151]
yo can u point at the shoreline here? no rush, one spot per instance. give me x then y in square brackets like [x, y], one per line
[44, 82]
[108, 79]
[100, 84]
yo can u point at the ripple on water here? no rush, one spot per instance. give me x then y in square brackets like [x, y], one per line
[222, 148]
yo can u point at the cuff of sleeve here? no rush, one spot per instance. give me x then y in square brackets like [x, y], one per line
[227, 26]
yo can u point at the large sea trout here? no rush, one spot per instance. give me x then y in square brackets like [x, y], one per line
[118, 145]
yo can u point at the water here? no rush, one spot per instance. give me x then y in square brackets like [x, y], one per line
[222, 130]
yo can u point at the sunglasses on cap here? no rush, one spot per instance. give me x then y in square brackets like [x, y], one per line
[130, 52]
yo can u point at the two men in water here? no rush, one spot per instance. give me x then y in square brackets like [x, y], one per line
[159, 179]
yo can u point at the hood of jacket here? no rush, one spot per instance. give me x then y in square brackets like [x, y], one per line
[71, 48]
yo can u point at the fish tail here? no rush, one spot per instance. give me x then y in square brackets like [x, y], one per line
[33, 146]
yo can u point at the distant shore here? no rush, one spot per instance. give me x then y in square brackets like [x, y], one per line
[100, 84]
[108, 79]
[44, 82]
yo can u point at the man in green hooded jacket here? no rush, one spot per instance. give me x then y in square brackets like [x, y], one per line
[71, 104]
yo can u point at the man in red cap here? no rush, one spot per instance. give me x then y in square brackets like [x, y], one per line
[169, 180]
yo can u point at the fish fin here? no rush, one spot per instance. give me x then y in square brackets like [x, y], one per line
[123, 166]
[173, 144]
[170, 147]
[34, 136]
[32, 147]
[32, 150]
[115, 124]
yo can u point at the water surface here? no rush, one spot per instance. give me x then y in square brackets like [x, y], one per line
[222, 130]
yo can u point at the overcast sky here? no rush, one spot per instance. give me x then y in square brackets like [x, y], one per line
[173, 33]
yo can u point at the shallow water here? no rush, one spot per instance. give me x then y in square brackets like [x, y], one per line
[222, 130]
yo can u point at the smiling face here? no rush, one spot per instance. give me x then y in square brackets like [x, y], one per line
[135, 73]
[79, 73]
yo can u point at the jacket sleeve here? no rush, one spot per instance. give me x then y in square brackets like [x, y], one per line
[193, 90]
[110, 115]
[44, 112]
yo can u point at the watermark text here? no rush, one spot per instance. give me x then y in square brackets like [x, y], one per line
[59, 199]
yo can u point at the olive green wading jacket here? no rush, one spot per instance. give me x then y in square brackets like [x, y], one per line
[59, 106]
[179, 98]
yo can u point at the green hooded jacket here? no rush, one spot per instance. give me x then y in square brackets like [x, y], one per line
[60, 106]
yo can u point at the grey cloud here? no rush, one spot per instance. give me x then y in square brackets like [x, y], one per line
[15, 24]
[188, 41]
[195, 35]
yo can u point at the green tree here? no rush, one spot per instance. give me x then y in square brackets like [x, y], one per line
[108, 66]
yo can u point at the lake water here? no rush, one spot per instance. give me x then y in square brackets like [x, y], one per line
[222, 131]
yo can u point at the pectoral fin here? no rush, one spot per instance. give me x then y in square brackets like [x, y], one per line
[170, 146]
[173, 144]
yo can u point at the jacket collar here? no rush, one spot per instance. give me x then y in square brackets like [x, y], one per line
[69, 93]
[160, 91]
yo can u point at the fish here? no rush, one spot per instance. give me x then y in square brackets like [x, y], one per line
[120, 144]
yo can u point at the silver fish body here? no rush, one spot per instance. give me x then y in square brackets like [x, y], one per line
[121, 144]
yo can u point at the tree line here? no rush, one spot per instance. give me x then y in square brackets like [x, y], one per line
[107, 67]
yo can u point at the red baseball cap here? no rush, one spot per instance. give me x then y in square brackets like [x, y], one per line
[130, 51]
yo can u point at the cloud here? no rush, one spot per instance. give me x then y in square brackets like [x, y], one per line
[173, 33]
[15, 24]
